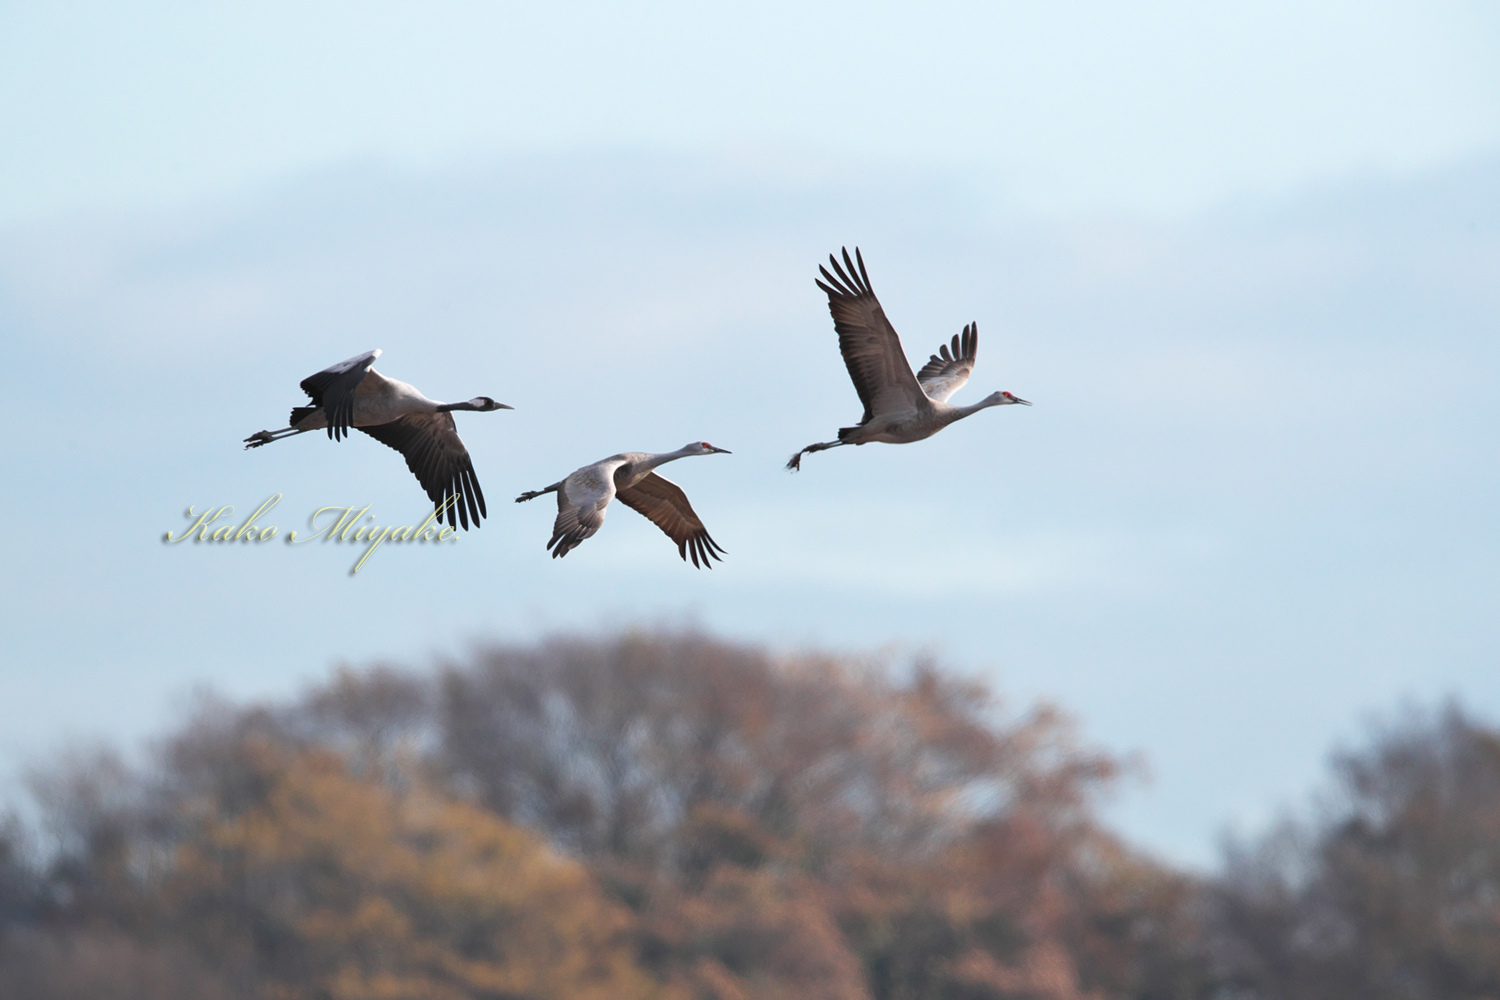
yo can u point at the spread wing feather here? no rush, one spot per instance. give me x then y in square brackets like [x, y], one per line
[333, 389]
[663, 503]
[947, 372]
[437, 457]
[871, 349]
[580, 513]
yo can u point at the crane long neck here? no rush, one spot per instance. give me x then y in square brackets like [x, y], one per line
[652, 461]
[953, 413]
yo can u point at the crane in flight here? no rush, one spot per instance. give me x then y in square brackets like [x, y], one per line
[352, 394]
[583, 496]
[899, 407]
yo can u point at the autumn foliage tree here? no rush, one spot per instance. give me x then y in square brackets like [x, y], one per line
[650, 814]
[814, 826]
[332, 886]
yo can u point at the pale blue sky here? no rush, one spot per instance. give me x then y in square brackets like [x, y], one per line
[1144, 105]
[1243, 260]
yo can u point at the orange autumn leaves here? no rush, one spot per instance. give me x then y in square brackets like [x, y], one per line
[375, 894]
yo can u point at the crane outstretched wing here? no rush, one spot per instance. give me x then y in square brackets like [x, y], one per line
[437, 457]
[871, 349]
[944, 375]
[665, 505]
[582, 499]
[333, 390]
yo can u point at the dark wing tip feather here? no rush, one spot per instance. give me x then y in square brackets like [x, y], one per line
[853, 274]
[849, 273]
[703, 548]
[840, 287]
[478, 494]
[455, 490]
[852, 279]
[843, 278]
[442, 467]
[849, 263]
[865, 275]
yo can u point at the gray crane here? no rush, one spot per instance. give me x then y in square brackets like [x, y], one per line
[899, 407]
[352, 394]
[583, 496]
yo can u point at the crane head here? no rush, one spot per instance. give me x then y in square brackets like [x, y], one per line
[704, 448]
[1006, 399]
[484, 404]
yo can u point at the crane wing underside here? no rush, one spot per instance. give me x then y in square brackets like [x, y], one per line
[333, 389]
[664, 503]
[947, 372]
[582, 499]
[870, 346]
[437, 457]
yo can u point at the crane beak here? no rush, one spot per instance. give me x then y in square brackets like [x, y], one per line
[1018, 399]
[720, 451]
[507, 406]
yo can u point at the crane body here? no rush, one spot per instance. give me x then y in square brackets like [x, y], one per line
[395, 413]
[585, 494]
[900, 406]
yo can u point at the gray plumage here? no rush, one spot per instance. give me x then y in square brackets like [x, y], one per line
[900, 407]
[352, 394]
[629, 476]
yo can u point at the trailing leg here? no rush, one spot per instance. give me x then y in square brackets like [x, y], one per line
[533, 494]
[266, 437]
[795, 462]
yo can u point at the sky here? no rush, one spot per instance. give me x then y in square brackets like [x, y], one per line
[1243, 261]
